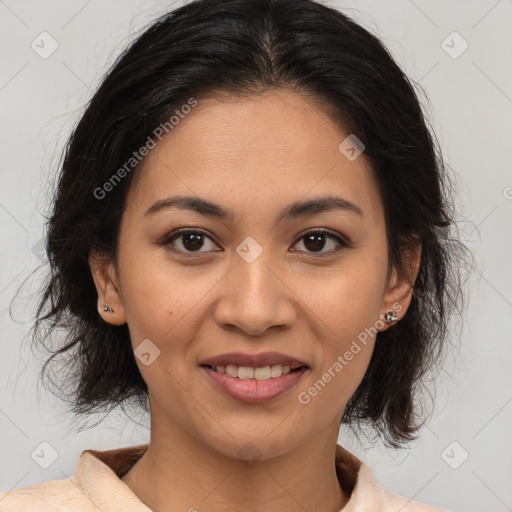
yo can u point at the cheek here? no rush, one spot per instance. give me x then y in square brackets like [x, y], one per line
[347, 338]
[163, 300]
[347, 307]
[346, 300]
[329, 389]
[152, 294]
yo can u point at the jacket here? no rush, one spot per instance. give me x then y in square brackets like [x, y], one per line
[96, 486]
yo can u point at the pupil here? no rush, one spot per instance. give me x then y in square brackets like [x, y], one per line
[192, 241]
[314, 242]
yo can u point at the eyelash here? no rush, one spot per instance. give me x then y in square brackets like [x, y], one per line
[170, 238]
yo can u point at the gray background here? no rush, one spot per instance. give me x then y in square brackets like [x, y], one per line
[470, 108]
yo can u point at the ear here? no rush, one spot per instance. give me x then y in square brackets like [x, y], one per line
[397, 297]
[107, 285]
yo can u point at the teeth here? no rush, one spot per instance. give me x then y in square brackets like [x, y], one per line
[248, 372]
[245, 372]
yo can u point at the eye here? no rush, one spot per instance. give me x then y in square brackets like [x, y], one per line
[316, 240]
[189, 241]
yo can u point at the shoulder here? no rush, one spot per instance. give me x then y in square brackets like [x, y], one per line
[95, 485]
[392, 502]
[356, 479]
[52, 496]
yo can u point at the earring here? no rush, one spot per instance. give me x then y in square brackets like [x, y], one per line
[107, 309]
[390, 317]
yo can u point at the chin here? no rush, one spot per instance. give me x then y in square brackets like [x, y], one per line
[252, 444]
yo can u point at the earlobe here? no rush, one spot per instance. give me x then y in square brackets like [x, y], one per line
[401, 287]
[110, 303]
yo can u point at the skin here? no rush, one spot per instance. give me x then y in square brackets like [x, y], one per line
[254, 156]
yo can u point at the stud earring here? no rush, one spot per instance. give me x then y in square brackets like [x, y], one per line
[108, 309]
[390, 317]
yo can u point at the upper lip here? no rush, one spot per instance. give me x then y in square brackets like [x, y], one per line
[254, 360]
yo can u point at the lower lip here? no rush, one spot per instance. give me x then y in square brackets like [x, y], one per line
[252, 390]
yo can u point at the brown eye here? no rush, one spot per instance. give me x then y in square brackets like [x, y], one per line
[316, 241]
[189, 241]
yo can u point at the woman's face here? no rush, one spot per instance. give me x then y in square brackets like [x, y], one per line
[259, 279]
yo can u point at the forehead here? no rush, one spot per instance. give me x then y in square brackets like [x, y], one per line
[279, 145]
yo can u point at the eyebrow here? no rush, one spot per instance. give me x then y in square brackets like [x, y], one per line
[295, 210]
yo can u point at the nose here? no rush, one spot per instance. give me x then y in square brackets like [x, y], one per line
[255, 297]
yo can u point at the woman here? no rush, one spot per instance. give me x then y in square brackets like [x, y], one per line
[251, 240]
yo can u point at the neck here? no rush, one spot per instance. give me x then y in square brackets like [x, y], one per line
[178, 469]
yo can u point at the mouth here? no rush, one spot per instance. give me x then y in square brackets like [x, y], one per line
[254, 378]
[246, 365]
[254, 385]
[259, 373]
